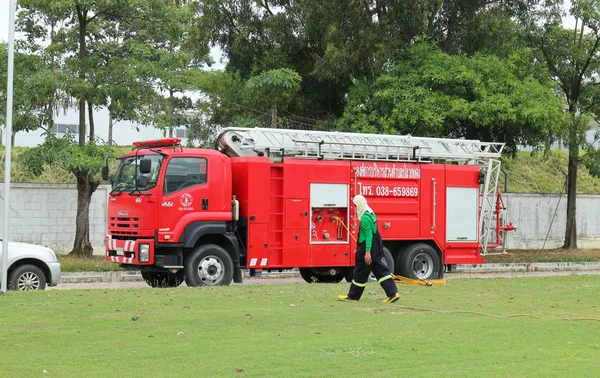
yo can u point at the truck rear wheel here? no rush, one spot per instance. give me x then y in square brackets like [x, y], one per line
[387, 260]
[419, 261]
[208, 265]
[309, 275]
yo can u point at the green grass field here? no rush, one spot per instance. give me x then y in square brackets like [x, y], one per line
[520, 327]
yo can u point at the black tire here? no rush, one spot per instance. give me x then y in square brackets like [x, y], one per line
[419, 261]
[388, 260]
[159, 279]
[27, 277]
[308, 275]
[208, 265]
[311, 277]
[330, 279]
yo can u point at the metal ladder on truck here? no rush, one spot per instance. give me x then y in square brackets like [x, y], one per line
[280, 143]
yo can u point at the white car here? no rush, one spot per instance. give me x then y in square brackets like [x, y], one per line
[31, 266]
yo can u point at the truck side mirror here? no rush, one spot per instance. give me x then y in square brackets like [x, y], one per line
[145, 166]
[105, 173]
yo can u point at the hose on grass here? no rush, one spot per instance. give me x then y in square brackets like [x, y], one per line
[489, 315]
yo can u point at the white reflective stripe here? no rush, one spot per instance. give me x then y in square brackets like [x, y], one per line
[124, 260]
[253, 262]
[129, 245]
[263, 262]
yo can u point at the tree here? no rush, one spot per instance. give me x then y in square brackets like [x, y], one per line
[82, 37]
[572, 57]
[36, 91]
[333, 44]
[431, 93]
[62, 30]
[274, 86]
[83, 162]
[180, 47]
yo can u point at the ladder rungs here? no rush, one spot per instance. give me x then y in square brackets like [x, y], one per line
[238, 141]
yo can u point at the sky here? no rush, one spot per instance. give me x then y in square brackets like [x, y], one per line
[4, 5]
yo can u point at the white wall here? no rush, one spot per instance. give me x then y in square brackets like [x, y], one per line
[541, 220]
[45, 214]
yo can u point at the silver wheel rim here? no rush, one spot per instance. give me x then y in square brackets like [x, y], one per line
[210, 270]
[28, 281]
[422, 265]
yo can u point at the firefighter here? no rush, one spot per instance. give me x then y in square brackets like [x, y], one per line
[369, 255]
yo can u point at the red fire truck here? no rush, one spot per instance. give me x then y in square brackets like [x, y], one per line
[275, 199]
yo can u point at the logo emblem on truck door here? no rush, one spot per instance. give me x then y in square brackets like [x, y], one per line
[186, 200]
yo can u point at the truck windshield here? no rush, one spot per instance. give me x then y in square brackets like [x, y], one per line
[129, 172]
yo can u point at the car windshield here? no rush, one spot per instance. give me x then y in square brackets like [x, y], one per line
[129, 178]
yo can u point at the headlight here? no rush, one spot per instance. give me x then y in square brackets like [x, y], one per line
[144, 255]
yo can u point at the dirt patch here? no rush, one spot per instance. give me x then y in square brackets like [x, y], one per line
[548, 255]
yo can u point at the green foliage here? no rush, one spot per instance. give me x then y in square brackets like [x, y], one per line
[546, 326]
[431, 93]
[333, 44]
[67, 155]
[37, 90]
[278, 80]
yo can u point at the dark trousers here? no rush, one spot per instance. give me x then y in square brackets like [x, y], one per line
[379, 269]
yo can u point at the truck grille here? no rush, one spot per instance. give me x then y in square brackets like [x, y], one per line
[124, 226]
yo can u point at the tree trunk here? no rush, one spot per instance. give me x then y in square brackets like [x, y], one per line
[86, 186]
[110, 125]
[91, 118]
[81, 122]
[571, 230]
[82, 18]
[171, 96]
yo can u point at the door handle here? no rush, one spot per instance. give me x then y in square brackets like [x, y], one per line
[204, 203]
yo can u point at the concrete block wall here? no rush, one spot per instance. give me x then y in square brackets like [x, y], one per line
[541, 220]
[45, 214]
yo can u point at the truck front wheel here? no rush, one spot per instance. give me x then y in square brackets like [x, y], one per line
[419, 261]
[208, 265]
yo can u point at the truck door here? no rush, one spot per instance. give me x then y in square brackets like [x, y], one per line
[185, 190]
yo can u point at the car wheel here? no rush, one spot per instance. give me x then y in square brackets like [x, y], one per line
[208, 265]
[27, 277]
